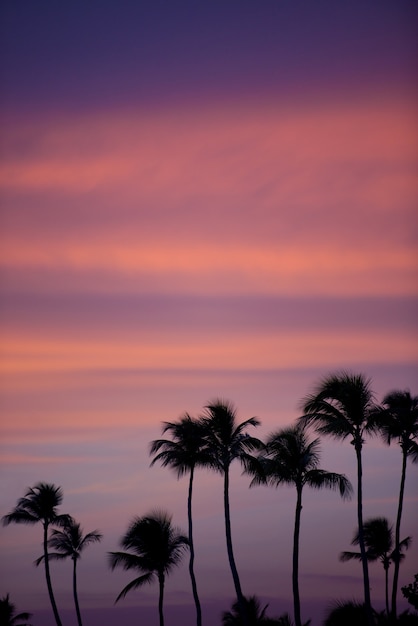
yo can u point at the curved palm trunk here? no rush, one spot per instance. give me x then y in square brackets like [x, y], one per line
[77, 606]
[48, 577]
[398, 532]
[191, 561]
[161, 598]
[361, 536]
[295, 569]
[232, 564]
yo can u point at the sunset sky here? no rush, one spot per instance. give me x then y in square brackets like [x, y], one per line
[201, 200]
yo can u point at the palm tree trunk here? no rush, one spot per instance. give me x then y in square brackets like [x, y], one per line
[48, 577]
[361, 535]
[295, 570]
[191, 561]
[398, 532]
[232, 564]
[161, 598]
[77, 606]
[387, 588]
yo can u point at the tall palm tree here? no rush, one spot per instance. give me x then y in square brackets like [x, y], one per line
[39, 505]
[8, 616]
[342, 406]
[293, 460]
[183, 453]
[155, 548]
[227, 441]
[378, 540]
[70, 542]
[397, 420]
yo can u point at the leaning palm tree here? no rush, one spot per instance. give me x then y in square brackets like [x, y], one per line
[397, 420]
[183, 453]
[342, 406]
[70, 542]
[292, 459]
[155, 548]
[8, 616]
[378, 540]
[39, 504]
[227, 441]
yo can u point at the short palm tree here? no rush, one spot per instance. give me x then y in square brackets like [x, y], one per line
[255, 613]
[397, 420]
[155, 547]
[39, 505]
[8, 615]
[70, 542]
[228, 441]
[342, 406]
[183, 453]
[293, 460]
[378, 539]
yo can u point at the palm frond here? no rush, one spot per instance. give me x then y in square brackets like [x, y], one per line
[319, 479]
[134, 584]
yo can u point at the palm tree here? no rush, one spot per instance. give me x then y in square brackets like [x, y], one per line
[7, 614]
[226, 441]
[183, 453]
[70, 542]
[255, 613]
[342, 406]
[39, 504]
[293, 460]
[397, 420]
[378, 540]
[155, 548]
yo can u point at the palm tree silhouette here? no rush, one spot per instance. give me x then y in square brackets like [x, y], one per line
[39, 504]
[397, 420]
[8, 616]
[226, 441]
[255, 613]
[378, 539]
[70, 542]
[155, 548]
[293, 460]
[183, 453]
[342, 406]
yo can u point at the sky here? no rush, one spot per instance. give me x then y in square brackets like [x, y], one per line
[201, 200]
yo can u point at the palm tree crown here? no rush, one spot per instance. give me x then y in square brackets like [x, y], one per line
[70, 542]
[8, 615]
[398, 420]
[341, 406]
[156, 546]
[226, 440]
[39, 504]
[185, 450]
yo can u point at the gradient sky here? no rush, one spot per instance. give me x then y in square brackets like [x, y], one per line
[199, 200]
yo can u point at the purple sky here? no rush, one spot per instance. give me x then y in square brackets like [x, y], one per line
[201, 200]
